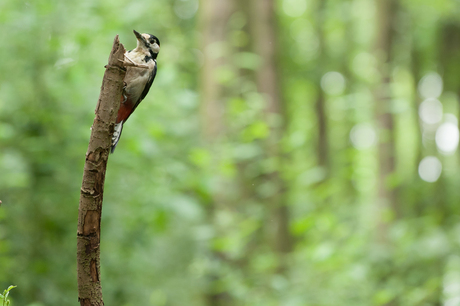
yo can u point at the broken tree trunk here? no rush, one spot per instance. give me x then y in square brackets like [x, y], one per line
[90, 208]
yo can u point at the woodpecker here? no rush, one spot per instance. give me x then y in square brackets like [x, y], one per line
[140, 73]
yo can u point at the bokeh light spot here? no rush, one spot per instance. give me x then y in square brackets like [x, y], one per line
[430, 169]
[363, 136]
[447, 138]
[430, 111]
[430, 86]
[294, 8]
[450, 118]
[185, 9]
[365, 66]
[333, 83]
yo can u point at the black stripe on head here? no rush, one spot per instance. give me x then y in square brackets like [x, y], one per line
[153, 39]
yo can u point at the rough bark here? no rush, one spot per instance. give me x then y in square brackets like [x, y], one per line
[90, 208]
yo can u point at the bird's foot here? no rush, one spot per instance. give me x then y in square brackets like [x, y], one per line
[129, 62]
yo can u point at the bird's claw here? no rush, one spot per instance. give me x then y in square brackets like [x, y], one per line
[129, 62]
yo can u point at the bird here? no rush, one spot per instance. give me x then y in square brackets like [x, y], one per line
[141, 69]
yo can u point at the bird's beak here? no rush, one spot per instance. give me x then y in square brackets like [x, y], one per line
[139, 36]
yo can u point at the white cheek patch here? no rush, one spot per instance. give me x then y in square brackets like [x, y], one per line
[156, 48]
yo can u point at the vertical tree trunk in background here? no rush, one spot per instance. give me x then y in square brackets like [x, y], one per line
[415, 67]
[449, 57]
[351, 81]
[92, 190]
[386, 11]
[214, 16]
[322, 142]
[386, 206]
[268, 83]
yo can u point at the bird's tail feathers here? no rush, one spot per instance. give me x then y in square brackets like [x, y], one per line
[116, 135]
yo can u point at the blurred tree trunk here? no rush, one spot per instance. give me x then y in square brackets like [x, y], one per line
[386, 198]
[214, 16]
[386, 11]
[268, 83]
[322, 142]
[449, 58]
[213, 24]
[350, 118]
[415, 67]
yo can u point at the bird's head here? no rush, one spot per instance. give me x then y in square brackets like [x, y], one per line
[148, 41]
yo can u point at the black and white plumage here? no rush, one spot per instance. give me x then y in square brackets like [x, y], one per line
[138, 80]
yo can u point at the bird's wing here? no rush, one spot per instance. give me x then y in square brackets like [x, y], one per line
[147, 86]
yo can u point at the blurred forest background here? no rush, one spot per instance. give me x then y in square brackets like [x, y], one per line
[290, 152]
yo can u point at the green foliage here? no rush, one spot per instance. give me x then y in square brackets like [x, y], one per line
[4, 296]
[184, 221]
